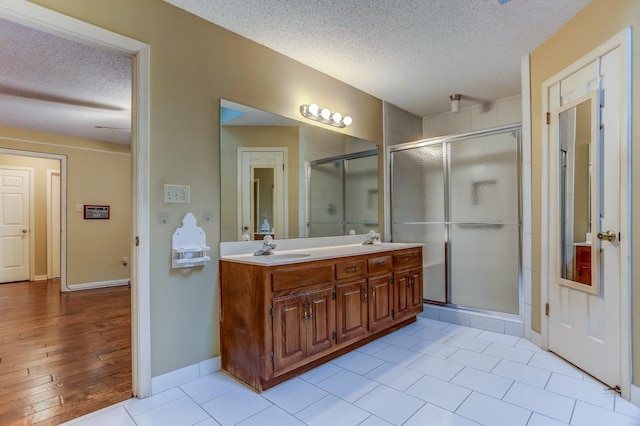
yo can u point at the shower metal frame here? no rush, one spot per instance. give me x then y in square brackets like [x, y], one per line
[445, 141]
[344, 159]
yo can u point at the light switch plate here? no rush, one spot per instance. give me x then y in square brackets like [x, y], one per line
[177, 194]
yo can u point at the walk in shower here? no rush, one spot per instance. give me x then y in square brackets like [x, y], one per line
[460, 196]
[343, 194]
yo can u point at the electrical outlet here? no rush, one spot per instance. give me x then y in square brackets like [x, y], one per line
[125, 260]
[177, 194]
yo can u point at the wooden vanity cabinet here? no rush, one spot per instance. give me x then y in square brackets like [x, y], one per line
[303, 325]
[279, 321]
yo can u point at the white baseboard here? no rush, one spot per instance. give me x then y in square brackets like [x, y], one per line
[40, 278]
[98, 284]
[635, 395]
[184, 375]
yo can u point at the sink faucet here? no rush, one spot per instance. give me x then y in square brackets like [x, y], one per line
[267, 246]
[371, 238]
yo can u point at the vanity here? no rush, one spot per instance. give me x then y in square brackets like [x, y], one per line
[285, 313]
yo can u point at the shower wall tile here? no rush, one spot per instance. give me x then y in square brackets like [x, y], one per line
[487, 323]
[484, 116]
[509, 110]
[459, 122]
[476, 117]
[455, 317]
[434, 126]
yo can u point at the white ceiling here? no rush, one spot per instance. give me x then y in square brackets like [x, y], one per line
[54, 85]
[412, 53]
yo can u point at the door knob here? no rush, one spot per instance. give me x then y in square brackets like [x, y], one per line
[24, 231]
[607, 236]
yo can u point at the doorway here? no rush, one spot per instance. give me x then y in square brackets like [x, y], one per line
[26, 222]
[35, 16]
[585, 214]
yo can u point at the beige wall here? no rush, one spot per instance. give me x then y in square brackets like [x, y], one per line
[97, 173]
[233, 137]
[193, 64]
[595, 24]
[40, 167]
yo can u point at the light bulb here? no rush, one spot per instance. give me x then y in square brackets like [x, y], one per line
[325, 113]
[336, 117]
[347, 120]
[313, 109]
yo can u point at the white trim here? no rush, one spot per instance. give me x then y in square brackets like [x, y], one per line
[184, 375]
[50, 174]
[622, 40]
[35, 16]
[98, 284]
[63, 202]
[40, 278]
[384, 165]
[285, 188]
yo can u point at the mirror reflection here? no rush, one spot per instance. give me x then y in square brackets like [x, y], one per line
[575, 152]
[287, 179]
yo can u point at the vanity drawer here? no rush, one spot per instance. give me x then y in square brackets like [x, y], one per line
[407, 259]
[379, 264]
[285, 279]
[354, 268]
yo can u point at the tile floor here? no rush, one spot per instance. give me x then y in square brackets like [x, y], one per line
[427, 373]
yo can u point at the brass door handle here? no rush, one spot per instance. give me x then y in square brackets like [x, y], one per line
[24, 231]
[607, 236]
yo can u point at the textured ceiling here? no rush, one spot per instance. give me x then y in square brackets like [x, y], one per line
[59, 86]
[412, 53]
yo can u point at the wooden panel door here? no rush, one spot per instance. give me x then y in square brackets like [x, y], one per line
[320, 320]
[288, 332]
[414, 294]
[380, 300]
[351, 310]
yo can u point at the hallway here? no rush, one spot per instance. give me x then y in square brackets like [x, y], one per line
[62, 355]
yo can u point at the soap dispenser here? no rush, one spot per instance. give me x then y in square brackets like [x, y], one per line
[265, 226]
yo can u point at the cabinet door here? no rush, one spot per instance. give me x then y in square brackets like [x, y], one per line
[289, 345]
[320, 320]
[351, 310]
[408, 293]
[415, 293]
[380, 300]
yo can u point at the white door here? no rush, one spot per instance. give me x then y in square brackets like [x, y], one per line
[249, 160]
[54, 234]
[585, 200]
[14, 225]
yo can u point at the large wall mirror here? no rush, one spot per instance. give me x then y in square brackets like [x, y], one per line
[288, 179]
[577, 190]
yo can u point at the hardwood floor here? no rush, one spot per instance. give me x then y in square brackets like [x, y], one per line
[62, 355]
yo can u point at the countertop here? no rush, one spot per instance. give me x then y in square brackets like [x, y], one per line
[283, 257]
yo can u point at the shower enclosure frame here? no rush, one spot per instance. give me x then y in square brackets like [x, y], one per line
[446, 142]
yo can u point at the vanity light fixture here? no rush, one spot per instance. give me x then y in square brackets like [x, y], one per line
[455, 102]
[324, 115]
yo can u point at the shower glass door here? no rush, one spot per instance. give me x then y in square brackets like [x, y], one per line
[343, 194]
[484, 223]
[418, 211]
[460, 197]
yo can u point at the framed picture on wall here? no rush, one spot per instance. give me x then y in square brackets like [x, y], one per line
[96, 212]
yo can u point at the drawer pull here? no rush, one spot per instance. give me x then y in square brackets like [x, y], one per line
[352, 269]
[381, 263]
